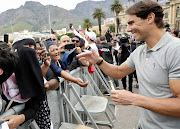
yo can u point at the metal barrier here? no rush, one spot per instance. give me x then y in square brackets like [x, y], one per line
[70, 94]
[62, 102]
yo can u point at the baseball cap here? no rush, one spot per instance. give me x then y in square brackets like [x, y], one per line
[91, 35]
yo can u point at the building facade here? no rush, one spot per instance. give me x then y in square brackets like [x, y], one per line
[171, 16]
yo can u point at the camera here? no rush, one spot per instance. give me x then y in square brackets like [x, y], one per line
[69, 46]
[123, 40]
[70, 25]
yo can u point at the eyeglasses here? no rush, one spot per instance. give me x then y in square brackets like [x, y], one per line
[77, 41]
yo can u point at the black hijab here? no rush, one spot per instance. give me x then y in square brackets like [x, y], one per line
[28, 72]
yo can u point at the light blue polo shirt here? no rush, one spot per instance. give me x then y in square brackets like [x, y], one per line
[155, 67]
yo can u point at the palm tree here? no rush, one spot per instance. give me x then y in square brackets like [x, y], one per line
[99, 14]
[87, 24]
[116, 7]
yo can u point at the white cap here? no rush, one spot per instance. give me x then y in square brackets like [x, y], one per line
[91, 35]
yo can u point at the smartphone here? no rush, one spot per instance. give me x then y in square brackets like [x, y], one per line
[69, 46]
[45, 47]
[6, 38]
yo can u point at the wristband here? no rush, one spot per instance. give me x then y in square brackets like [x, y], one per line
[100, 62]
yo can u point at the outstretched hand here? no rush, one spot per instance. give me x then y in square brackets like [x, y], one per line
[80, 82]
[89, 56]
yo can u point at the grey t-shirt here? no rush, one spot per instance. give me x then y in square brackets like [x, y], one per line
[155, 67]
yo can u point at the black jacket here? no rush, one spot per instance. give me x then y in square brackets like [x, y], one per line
[107, 51]
[126, 51]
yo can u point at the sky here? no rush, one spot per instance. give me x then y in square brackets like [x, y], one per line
[66, 4]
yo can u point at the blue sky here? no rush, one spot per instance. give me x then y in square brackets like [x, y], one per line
[67, 4]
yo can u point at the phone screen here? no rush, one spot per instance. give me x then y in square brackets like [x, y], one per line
[6, 38]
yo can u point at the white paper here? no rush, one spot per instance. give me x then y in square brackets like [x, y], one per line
[4, 125]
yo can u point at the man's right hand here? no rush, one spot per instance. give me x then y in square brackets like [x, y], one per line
[90, 56]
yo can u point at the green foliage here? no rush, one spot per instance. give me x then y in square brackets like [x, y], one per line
[68, 34]
[87, 24]
[98, 35]
[112, 27]
[11, 41]
[99, 14]
[94, 31]
[116, 7]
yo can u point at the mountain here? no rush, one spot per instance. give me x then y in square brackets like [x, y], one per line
[35, 17]
[86, 9]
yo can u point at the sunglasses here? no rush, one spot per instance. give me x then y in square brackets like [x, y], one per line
[77, 41]
[53, 39]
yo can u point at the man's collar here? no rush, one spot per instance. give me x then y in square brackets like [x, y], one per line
[164, 39]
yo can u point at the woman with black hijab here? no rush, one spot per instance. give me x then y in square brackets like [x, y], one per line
[31, 84]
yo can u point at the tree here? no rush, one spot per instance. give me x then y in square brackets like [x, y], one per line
[112, 27]
[99, 14]
[87, 24]
[116, 7]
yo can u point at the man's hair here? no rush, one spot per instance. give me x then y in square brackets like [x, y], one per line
[8, 61]
[102, 38]
[144, 7]
[176, 32]
[75, 36]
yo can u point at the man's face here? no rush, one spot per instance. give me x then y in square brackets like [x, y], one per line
[137, 26]
[54, 53]
[75, 40]
[64, 40]
[54, 39]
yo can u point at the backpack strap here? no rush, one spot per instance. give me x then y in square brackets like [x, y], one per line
[9, 104]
